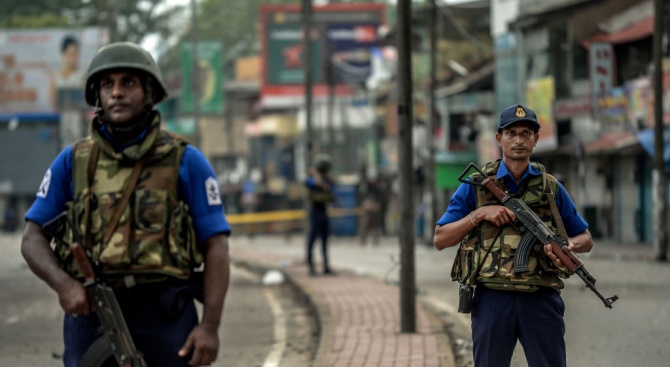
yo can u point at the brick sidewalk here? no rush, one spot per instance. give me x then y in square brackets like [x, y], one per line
[359, 318]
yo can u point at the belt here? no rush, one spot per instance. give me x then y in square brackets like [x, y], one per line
[132, 280]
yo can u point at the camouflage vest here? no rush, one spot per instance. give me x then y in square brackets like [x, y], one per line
[497, 269]
[321, 196]
[154, 235]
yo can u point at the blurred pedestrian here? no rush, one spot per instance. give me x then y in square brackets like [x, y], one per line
[148, 209]
[509, 306]
[370, 216]
[320, 185]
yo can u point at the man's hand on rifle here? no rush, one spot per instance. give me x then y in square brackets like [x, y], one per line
[498, 215]
[73, 298]
[549, 251]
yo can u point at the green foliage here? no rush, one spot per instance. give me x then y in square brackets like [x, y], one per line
[233, 22]
[48, 20]
[126, 20]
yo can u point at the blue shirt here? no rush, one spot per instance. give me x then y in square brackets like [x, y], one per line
[197, 187]
[464, 201]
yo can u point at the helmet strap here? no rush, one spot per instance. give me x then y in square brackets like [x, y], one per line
[149, 92]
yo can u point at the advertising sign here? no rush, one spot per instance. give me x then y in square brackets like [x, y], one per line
[210, 78]
[613, 107]
[639, 93]
[540, 98]
[342, 36]
[42, 71]
[601, 70]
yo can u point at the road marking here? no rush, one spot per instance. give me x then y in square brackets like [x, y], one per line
[275, 355]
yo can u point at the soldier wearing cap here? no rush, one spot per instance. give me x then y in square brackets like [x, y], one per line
[171, 220]
[507, 306]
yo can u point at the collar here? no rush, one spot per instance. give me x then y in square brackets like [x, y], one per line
[117, 147]
[505, 175]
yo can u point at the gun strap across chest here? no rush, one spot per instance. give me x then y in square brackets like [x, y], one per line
[123, 201]
[557, 216]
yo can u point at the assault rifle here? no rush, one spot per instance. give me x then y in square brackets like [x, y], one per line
[533, 229]
[116, 337]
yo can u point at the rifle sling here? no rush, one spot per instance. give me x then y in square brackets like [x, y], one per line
[557, 216]
[121, 204]
[123, 201]
[90, 170]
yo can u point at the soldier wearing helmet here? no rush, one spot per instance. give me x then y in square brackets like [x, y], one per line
[148, 207]
[320, 185]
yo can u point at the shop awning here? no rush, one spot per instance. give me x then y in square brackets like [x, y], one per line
[611, 143]
[646, 138]
[634, 32]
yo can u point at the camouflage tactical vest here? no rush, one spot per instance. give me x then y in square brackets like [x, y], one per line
[154, 235]
[320, 195]
[497, 269]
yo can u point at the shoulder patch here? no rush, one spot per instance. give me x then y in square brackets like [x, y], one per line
[44, 186]
[213, 192]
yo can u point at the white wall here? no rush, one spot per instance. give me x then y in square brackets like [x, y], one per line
[502, 12]
[626, 200]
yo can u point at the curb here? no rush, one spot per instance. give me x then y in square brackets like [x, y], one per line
[322, 357]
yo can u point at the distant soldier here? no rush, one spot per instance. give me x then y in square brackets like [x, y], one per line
[370, 217]
[320, 184]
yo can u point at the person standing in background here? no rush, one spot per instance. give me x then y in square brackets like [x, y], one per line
[320, 185]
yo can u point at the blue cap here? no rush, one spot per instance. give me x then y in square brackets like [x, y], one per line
[516, 113]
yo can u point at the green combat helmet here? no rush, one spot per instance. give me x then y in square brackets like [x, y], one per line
[322, 163]
[124, 55]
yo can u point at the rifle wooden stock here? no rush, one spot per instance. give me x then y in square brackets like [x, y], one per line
[495, 190]
[568, 258]
[82, 262]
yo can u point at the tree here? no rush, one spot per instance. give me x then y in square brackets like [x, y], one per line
[234, 23]
[126, 20]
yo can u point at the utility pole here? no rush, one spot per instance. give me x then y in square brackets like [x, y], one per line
[195, 72]
[659, 177]
[307, 52]
[407, 276]
[331, 80]
[432, 210]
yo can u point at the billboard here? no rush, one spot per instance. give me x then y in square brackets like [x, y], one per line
[210, 78]
[42, 71]
[601, 70]
[540, 97]
[342, 40]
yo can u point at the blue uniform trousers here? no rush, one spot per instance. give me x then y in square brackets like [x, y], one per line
[159, 320]
[500, 318]
[318, 227]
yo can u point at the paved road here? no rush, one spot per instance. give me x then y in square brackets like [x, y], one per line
[260, 322]
[636, 332]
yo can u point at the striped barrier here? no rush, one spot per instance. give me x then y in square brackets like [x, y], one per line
[286, 215]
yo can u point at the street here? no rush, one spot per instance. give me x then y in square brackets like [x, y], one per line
[635, 332]
[261, 324]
